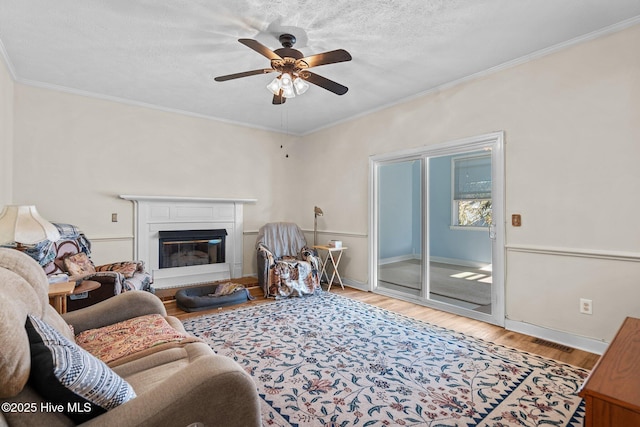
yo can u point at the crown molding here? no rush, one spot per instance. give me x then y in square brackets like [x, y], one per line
[612, 29]
[7, 61]
[620, 26]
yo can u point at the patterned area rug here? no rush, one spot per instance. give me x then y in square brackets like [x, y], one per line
[326, 360]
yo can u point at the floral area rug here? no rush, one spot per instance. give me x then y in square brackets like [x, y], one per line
[327, 360]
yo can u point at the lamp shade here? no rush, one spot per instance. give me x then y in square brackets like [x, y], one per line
[286, 80]
[288, 92]
[300, 85]
[274, 86]
[23, 224]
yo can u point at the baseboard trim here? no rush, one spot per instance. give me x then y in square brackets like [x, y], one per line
[400, 258]
[583, 343]
[461, 262]
[441, 260]
[355, 284]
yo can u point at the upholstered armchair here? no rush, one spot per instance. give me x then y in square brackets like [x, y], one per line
[286, 265]
[71, 255]
[121, 362]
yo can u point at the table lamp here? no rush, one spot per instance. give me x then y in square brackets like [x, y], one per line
[317, 212]
[24, 226]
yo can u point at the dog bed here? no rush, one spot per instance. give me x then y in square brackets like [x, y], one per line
[211, 296]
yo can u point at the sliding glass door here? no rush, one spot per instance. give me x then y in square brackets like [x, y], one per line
[434, 234]
[400, 237]
[460, 217]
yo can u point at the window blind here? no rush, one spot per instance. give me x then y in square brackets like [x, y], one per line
[472, 178]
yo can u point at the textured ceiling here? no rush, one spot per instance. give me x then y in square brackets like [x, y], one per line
[166, 53]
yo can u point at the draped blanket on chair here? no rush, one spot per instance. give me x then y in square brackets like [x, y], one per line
[290, 276]
[286, 266]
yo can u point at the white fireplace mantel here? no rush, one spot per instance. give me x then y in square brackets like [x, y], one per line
[184, 199]
[166, 213]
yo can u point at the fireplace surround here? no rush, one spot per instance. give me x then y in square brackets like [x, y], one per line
[163, 215]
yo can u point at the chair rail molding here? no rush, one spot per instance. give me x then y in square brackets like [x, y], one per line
[573, 252]
[153, 214]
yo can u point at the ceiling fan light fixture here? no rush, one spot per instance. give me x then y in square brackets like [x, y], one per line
[288, 92]
[287, 85]
[300, 85]
[274, 86]
[291, 64]
[286, 80]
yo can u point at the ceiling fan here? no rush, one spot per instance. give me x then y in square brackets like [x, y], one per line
[293, 68]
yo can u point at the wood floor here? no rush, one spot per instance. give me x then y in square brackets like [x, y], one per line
[443, 319]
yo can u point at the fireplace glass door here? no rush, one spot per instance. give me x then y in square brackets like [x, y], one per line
[183, 248]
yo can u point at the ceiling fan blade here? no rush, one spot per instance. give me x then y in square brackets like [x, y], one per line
[260, 48]
[331, 57]
[244, 74]
[279, 99]
[324, 82]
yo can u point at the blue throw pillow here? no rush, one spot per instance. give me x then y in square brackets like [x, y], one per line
[78, 383]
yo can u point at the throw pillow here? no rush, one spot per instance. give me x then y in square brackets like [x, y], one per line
[65, 374]
[79, 265]
[126, 268]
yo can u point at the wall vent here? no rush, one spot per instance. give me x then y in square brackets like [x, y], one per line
[554, 345]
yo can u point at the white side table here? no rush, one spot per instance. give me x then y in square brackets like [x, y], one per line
[333, 255]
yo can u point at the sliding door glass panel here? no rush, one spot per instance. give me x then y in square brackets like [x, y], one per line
[437, 226]
[459, 217]
[400, 236]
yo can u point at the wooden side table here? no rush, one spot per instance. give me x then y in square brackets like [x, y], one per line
[86, 286]
[335, 261]
[58, 293]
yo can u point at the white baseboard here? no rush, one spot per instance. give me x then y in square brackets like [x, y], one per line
[441, 260]
[587, 344]
[462, 262]
[398, 259]
[355, 284]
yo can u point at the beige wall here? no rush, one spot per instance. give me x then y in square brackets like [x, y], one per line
[81, 153]
[6, 135]
[572, 132]
[572, 129]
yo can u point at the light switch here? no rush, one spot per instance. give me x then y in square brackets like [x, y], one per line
[516, 220]
[114, 217]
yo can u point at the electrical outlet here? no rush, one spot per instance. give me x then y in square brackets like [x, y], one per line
[586, 306]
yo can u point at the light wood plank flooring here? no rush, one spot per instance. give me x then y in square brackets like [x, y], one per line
[443, 319]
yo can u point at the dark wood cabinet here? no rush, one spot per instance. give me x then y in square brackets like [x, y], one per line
[612, 391]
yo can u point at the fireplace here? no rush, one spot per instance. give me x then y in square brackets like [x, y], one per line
[184, 248]
[159, 217]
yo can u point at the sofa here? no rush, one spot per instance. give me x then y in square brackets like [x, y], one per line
[175, 383]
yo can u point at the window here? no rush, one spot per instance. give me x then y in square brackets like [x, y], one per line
[471, 191]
